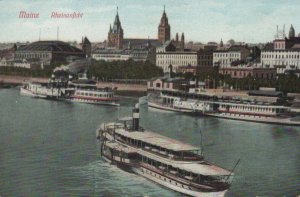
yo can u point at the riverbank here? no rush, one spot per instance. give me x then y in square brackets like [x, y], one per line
[17, 80]
[123, 89]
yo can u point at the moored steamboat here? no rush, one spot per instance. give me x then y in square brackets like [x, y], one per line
[168, 162]
[90, 93]
[264, 105]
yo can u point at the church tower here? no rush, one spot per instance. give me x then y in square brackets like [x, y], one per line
[164, 28]
[292, 32]
[115, 34]
[86, 46]
[182, 42]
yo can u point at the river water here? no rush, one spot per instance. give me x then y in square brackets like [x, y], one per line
[48, 148]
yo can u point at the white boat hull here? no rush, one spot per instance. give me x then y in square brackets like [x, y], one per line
[169, 108]
[256, 118]
[97, 102]
[27, 92]
[250, 118]
[173, 186]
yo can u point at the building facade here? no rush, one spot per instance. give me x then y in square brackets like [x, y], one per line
[111, 55]
[249, 71]
[48, 52]
[167, 55]
[205, 56]
[33, 63]
[283, 54]
[225, 58]
[187, 69]
[143, 54]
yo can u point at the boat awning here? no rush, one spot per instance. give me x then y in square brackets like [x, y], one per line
[129, 118]
[157, 140]
[119, 147]
[203, 168]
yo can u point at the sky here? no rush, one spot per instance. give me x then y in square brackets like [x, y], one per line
[251, 21]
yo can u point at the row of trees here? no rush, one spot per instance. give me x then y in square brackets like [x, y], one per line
[124, 70]
[285, 83]
[18, 71]
[100, 69]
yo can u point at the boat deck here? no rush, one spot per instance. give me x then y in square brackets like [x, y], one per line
[157, 140]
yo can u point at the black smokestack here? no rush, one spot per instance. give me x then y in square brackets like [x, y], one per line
[135, 117]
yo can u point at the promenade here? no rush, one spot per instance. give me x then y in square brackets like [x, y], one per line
[10, 79]
[121, 87]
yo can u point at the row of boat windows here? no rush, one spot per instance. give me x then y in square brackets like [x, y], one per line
[245, 108]
[165, 179]
[94, 95]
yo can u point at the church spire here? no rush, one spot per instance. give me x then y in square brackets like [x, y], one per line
[164, 28]
[115, 35]
[292, 32]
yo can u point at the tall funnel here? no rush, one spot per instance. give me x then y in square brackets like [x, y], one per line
[135, 117]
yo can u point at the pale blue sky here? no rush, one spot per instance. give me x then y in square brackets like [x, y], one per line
[200, 20]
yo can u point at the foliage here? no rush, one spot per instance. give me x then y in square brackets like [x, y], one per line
[284, 83]
[17, 71]
[124, 70]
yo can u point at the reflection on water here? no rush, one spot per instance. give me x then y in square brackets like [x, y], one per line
[48, 148]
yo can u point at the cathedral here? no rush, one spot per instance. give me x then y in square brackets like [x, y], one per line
[115, 38]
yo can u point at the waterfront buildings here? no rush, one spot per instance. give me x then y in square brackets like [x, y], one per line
[234, 54]
[187, 69]
[7, 55]
[249, 70]
[205, 56]
[283, 53]
[168, 54]
[32, 63]
[166, 83]
[143, 53]
[111, 54]
[48, 52]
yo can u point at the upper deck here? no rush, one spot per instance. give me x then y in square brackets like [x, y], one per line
[153, 142]
[90, 87]
[169, 153]
[157, 140]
